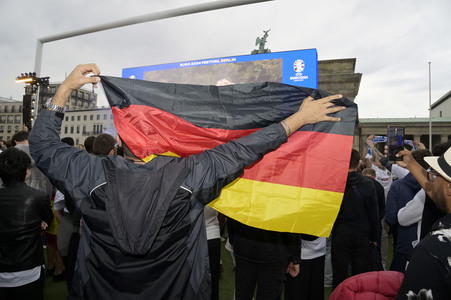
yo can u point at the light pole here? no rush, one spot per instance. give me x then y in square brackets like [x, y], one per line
[171, 13]
[30, 102]
[430, 110]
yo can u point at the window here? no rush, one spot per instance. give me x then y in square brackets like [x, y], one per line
[84, 129]
[65, 130]
[72, 118]
[91, 117]
[105, 117]
[97, 129]
[17, 119]
[2, 128]
[72, 129]
[16, 128]
[13, 109]
[6, 108]
[111, 117]
[2, 119]
[78, 118]
[67, 118]
[85, 117]
[9, 129]
[441, 114]
[98, 117]
[10, 120]
[78, 129]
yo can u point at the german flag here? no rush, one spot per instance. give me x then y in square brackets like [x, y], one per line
[297, 188]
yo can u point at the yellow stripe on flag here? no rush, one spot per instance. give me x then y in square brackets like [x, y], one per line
[279, 207]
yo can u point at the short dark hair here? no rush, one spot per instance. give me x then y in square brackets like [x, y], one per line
[126, 152]
[68, 140]
[20, 136]
[103, 144]
[440, 149]
[13, 166]
[419, 156]
[355, 159]
[89, 142]
[369, 171]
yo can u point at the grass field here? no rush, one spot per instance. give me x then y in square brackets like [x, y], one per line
[58, 290]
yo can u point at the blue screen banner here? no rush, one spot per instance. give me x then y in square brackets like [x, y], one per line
[299, 68]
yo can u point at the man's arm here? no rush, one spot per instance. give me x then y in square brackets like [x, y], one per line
[46, 213]
[226, 162]
[413, 211]
[417, 171]
[66, 166]
[373, 215]
[366, 160]
[370, 144]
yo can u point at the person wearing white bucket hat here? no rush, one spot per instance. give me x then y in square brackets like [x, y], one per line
[428, 273]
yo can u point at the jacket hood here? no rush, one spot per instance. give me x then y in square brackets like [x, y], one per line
[353, 178]
[138, 201]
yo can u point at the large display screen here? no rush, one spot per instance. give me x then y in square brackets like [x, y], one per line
[299, 67]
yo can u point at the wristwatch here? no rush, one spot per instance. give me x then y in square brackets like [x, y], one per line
[51, 106]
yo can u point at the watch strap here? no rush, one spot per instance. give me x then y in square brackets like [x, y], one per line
[54, 107]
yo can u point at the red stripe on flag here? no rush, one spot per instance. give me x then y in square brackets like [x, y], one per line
[300, 162]
[313, 160]
[155, 131]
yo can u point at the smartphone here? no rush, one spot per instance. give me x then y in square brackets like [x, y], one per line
[395, 141]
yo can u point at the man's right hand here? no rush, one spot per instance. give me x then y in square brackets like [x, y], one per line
[76, 79]
[314, 111]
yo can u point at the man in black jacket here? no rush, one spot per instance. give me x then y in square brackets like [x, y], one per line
[356, 225]
[143, 231]
[23, 212]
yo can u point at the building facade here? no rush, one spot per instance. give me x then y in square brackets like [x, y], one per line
[416, 129]
[442, 107]
[79, 124]
[10, 118]
[80, 99]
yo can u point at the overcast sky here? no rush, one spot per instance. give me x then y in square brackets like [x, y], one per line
[393, 41]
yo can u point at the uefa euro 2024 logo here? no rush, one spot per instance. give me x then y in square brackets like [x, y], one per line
[298, 66]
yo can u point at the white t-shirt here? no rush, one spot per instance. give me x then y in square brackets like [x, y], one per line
[15, 279]
[313, 249]
[384, 177]
[211, 223]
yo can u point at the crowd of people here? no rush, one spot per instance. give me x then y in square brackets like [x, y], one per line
[116, 227]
